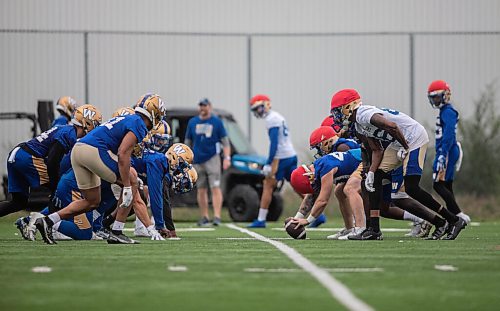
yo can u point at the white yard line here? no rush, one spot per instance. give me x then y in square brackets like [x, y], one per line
[336, 289]
[253, 238]
[338, 229]
[337, 270]
[182, 229]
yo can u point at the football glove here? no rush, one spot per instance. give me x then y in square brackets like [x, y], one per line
[126, 197]
[155, 235]
[370, 179]
[440, 163]
[267, 170]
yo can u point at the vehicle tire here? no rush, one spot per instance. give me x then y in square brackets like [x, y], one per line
[243, 203]
[275, 208]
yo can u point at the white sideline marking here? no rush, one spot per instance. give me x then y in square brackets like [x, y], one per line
[475, 224]
[177, 268]
[338, 229]
[447, 268]
[338, 270]
[181, 229]
[42, 269]
[336, 289]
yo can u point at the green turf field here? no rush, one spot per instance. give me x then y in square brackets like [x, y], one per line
[95, 276]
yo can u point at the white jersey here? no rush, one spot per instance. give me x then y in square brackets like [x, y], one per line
[285, 147]
[414, 133]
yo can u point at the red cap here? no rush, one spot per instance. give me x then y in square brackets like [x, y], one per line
[438, 85]
[320, 134]
[344, 97]
[300, 182]
[258, 98]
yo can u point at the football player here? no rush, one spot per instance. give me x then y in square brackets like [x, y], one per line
[448, 150]
[105, 153]
[66, 107]
[319, 178]
[406, 144]
[348, 188]
[282, 159]
[36, 162]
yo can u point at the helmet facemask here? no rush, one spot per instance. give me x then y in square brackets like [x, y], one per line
[160, 142]
[261, 109]
[438, 99]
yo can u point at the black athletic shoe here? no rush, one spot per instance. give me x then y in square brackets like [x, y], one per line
[120, 238]
[22, 225]
[44, 225]
[367, 234]
[439, 232]
[455, 229]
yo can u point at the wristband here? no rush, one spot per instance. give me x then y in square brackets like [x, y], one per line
[227, 158]
[311, 219]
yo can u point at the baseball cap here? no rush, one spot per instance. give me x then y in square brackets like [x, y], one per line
[204, 102]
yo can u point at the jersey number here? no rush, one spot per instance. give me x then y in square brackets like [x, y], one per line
[110, 123]
[285, 129]
[45, 134]
[338, 155]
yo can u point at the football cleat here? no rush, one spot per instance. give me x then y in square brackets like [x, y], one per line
[464, 217]
[367, 234]
[425, 229]
[337, 235]
[257, 224]
[103, 233]
[120, 238]
[318, 221]
[455, 229]
[44, 225]
[439, 232]
[141, 232]
[354, 231]
[22, 225]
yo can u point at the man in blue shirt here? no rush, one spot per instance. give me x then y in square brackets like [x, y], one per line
[448, 150]
[205, 133]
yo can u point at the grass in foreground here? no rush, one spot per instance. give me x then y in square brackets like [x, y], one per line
[93, 275]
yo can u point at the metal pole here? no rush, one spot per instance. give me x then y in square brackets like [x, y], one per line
[249, 86]
[86, 65]
[412, 76]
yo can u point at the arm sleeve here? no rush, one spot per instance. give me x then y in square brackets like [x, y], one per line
[56, 153]
[225, 141]
[155, 186]
[449, 118]
[273, 147]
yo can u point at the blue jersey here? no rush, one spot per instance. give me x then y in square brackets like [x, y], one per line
[351, 143]
[61, 120]
[109, 135]
[345, 162]
[65, 135]
[205, 136]
[152, 167]
[446, 130]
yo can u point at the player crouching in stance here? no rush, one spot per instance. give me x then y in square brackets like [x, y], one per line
[282, 159]
[394, 139]
[347, 188]
[319, 178]
[105, 153]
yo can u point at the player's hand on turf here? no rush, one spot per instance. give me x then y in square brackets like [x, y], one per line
[370, 179]
[155, 235]
[267, 169]
[402, 153]
[441, 163]
[126, 197]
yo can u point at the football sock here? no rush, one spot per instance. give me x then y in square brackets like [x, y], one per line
[262, 214]
[55, 218]
[108, 221]
[443, 190]
[375, 198]
[299, 215]
[413, 189]
[118, 227]
[438, 221]
[410, 216]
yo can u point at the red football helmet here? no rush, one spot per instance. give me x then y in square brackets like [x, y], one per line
[260, 105]
[322, 139]
[439, 93]
[301, 179]
[328, 121]
[343, 103]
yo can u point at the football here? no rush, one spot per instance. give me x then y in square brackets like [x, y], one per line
[298, 234]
